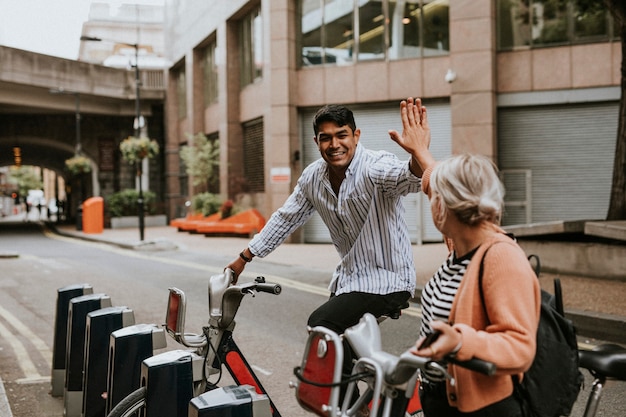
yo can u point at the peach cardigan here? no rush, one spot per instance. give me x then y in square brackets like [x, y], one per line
[505, 331]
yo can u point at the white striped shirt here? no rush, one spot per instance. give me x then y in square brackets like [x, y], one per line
[365, 221]
[440, 290]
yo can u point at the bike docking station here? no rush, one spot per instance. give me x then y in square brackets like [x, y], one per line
[79, 308]
[233, 400]
[128, 348]
[59, 350]
[100, 324]
[168, 378]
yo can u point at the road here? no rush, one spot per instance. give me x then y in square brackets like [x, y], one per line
[270, 330]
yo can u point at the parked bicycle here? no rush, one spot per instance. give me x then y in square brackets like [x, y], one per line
[391, 381]
[604, 362]
[215, 348]
[387, 382]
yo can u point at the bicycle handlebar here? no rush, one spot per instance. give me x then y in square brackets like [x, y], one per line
[269, 288]
[224, 299]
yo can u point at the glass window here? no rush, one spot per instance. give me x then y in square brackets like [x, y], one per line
[335, 31]
[549, 22]
[513, 22]
[311, 32]
[436, 32]
[253, 156]
[404, 29]
[536, 23]
[213, 182]
[183, 177]
[338, 31]
[209, 75]
[371, 31]
[251, 47]
[181, 92]
[591, 24]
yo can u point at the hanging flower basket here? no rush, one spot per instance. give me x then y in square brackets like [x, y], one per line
[77, 165]
[135, 149]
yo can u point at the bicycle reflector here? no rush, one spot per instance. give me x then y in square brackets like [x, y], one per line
[175, 317]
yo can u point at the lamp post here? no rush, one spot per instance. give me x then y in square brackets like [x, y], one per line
[78, 145]
[137, 125]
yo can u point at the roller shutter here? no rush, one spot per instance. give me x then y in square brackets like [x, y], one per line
[374, 123]
[566, 152]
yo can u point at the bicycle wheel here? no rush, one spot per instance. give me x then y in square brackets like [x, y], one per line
[132, 405]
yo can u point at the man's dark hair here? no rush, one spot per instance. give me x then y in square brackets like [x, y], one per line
[340, 115]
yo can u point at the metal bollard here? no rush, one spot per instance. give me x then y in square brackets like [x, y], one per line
[59, 349]
[128, 347]
[100, 324]
[77, 320]
[168, 378]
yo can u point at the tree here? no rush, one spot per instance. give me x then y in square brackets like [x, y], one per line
[25, 178]
[617, 204]
[202, 160]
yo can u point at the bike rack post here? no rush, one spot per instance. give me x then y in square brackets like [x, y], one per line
[100, 324]
[59, 349]
[128, 347]
[77, 320]
[234, 400]
[168, 378]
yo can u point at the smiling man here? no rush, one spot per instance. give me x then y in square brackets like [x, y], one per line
[358, 194]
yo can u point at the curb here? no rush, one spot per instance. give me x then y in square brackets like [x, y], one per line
[5, 408]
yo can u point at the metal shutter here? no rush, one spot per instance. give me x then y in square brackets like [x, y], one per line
[374, 123]
[568, 151]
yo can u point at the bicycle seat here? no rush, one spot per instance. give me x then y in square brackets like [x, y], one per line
[608, 360]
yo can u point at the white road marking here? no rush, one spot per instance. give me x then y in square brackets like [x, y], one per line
[261, 370]
[23, 359]
[21, 328]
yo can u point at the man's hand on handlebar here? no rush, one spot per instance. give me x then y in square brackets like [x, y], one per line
[448, 341]
[239, 263]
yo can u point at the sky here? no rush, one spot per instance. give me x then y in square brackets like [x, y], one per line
[51, 27]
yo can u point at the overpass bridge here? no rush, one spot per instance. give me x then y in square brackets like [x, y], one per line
[49, 104]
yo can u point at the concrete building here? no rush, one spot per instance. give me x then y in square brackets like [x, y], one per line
[532, 85]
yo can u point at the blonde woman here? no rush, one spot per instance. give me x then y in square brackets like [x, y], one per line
[499, 326]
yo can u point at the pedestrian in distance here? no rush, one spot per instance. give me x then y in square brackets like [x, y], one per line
[494, 318]
[358, 194]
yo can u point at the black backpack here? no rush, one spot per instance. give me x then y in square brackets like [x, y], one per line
[552, 384]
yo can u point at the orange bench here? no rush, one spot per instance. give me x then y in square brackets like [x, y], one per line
[247, 222]
[191, 226]
[180, 220]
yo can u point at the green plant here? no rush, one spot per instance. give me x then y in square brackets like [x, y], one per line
[78, 164]
[135, 149]
[206, 203]
[124, 203]
[202, 160]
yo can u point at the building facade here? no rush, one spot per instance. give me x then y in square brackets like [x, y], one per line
[530, 83]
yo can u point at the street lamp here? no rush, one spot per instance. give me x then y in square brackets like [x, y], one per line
[137, 125]
[78, 145]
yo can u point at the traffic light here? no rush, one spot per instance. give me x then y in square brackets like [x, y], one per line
[16, 197]
[17, 156]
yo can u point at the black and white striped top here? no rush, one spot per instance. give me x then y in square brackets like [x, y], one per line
[365, 221]
[440, 290]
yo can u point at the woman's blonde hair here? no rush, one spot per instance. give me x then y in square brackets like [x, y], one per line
[469, 186]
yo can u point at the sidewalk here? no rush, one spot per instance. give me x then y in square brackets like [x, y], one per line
[596, 306]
